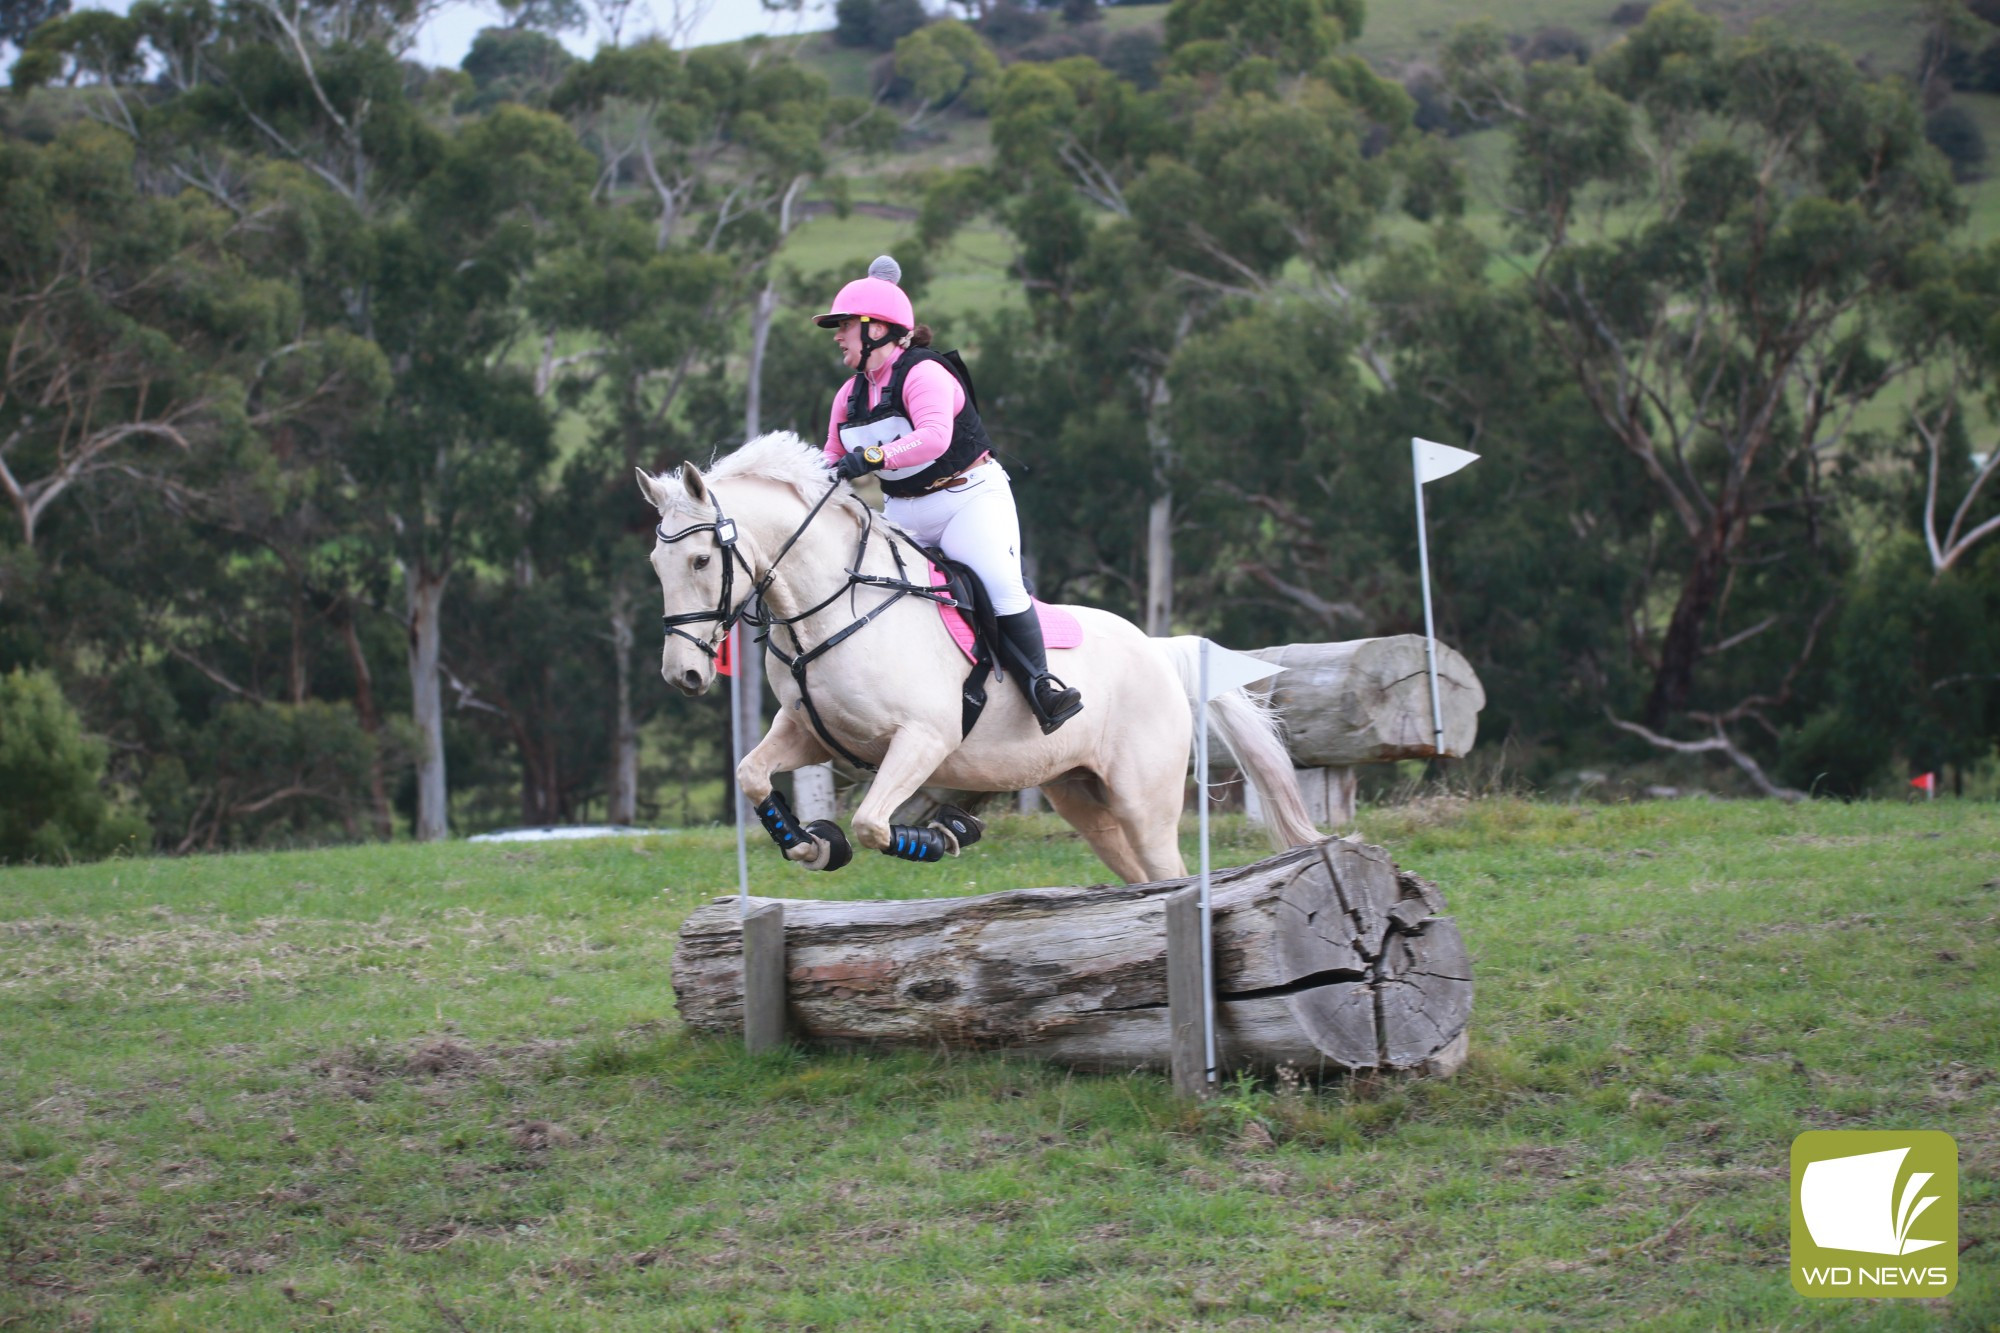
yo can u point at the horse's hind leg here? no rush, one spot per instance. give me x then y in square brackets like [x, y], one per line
[1081, 802]
[913, 755]
[1149, 811]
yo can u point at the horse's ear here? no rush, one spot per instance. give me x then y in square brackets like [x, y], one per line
[697, 488]
[653, 488]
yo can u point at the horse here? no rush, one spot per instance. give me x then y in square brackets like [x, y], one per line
[771, 534]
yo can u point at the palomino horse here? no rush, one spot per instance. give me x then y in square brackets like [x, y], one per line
[771, 520]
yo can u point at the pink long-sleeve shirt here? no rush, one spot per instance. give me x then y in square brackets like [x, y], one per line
[931, 399]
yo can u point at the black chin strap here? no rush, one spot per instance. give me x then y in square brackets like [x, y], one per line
[870, 346]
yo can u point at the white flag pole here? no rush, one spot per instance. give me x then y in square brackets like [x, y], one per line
[735, 758]
[1207, 909]
[1430, 628]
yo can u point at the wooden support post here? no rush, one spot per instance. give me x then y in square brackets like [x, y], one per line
[764, 977]
[1187, 1043]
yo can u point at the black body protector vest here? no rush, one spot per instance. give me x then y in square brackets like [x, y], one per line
[968, 434]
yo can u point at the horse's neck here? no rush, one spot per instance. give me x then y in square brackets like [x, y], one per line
[816, 566]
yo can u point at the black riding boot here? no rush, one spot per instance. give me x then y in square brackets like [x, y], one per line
[1054, 702]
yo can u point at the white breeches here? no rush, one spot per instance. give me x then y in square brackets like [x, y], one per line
[975, 524]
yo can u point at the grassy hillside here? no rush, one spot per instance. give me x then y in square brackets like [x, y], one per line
[444, 1087]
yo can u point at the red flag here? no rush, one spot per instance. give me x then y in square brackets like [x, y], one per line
[1924, 782]
[725, 661]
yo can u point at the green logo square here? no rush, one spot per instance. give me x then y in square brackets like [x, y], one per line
[1874, 1213]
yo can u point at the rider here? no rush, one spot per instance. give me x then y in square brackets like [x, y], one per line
[918, 426]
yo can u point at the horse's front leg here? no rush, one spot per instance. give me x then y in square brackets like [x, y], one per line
[790, 745]
[914, 754]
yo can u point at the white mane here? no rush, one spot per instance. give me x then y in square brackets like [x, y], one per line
[779, 456]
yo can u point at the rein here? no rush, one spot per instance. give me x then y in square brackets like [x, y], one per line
[753, 611]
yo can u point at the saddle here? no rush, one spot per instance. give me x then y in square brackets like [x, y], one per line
[968, 616]
[966, 595]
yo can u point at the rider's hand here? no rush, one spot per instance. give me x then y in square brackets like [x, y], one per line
[857, 461]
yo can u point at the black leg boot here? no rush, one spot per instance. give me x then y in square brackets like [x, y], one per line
[1054, 702]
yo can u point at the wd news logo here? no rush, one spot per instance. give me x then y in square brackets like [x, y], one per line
[1874, 1213]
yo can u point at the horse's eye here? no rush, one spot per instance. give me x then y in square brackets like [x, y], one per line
[701, 562]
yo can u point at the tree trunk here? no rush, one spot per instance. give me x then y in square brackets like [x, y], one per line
[1327, 958]
[371, 721]
[813, 793]
[296, 685]
[1681, 650]
[623, 804]
[1160, 565]
[760, 336]
[425, 591]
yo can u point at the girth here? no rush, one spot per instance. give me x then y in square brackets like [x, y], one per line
[973, 697]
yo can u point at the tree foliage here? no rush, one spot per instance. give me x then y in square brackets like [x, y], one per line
[52, 806]
[328, 372]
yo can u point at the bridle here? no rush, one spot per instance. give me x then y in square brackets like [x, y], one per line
[724, 614]
[751, 610]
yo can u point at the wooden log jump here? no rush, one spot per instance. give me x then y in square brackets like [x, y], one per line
[1327, 958]
[1365, 701]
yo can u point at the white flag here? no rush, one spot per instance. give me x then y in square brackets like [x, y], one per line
[1438, 460]
[1229, 670]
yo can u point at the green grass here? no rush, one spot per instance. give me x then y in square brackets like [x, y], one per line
[444, 1087]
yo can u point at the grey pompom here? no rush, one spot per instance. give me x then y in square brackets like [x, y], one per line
[886, 269]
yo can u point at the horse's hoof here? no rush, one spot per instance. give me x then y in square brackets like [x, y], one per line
[963, 828]
[830, 849]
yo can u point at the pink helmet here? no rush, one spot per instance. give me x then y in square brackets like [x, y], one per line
[874, 297]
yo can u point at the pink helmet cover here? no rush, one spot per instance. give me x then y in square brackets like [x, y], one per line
[875, 297]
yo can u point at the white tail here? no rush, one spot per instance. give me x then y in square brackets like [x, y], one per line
[1250, 728]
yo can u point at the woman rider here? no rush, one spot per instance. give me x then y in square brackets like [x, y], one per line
[908, 413]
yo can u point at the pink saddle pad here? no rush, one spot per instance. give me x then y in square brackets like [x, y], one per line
[1060, 629]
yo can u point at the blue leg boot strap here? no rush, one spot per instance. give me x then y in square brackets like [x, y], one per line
[779, 821]
[919, 844]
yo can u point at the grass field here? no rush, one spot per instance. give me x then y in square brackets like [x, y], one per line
[444, 1088]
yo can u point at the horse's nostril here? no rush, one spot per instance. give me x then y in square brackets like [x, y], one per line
[690, 681]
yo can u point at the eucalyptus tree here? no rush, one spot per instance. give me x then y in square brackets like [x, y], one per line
[1950, 326]
[1149, 220]
[418, 235]
[1714, 224]
[703, 158]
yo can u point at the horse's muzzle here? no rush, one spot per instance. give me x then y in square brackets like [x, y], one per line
[688, 682]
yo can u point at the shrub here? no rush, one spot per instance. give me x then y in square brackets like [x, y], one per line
[1134, 56]
[51, 806]
[854, 22]
[1953, 132]
[1007, 25]
[1553, 44]
[1631, 14]
[876, 23]
[1059, 46]
[513, 65]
